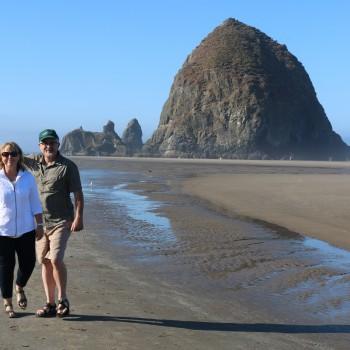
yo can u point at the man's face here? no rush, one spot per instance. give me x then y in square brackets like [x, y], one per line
[49, 147]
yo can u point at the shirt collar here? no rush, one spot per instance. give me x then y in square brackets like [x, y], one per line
[57, 160]
[19, 174]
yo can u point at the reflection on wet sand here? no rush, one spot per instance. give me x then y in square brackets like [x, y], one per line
[268, 267]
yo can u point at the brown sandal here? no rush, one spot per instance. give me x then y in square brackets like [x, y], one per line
[21, 299]
[63, 308]
[48, 310]
[9, 310]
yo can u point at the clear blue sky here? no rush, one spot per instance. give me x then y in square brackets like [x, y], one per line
[66, 64]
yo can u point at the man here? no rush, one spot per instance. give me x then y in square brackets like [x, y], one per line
[56, 177]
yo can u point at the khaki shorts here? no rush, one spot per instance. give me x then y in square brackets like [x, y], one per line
[53, 243]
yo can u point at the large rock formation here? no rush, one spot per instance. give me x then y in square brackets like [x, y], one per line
[132, 138]
[81, 142]
[240, 94]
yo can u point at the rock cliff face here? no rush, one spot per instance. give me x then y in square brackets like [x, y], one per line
[81, 142]
[132, 138]
[240, 94]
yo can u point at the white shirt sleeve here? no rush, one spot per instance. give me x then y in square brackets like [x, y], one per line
[34, 197]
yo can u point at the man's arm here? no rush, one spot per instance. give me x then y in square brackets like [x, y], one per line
[77, 224]
[31, 163]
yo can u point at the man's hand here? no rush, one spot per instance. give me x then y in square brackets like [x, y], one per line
[77, 224]
[39, 233]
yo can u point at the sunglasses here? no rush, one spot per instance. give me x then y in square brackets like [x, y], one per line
[7, 154]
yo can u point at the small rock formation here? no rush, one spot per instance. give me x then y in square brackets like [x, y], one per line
[132, 138]
[240, 94]
[87, 143]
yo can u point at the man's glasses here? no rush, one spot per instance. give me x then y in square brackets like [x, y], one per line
[7, 154]
[49, 143]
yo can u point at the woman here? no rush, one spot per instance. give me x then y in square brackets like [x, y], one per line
[19, 205]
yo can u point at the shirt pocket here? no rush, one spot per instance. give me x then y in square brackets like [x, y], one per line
[53, 184]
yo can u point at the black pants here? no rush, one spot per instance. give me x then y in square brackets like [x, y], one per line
[24, 247]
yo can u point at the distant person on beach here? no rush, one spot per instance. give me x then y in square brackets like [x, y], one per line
[56, 177]
[19, 206]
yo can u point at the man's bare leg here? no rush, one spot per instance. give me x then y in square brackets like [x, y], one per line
[48, 281]
[60, 276]
[49, 286]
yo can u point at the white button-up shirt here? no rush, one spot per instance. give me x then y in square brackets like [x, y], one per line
[19, 202]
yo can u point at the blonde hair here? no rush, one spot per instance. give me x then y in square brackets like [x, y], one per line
[13, 147]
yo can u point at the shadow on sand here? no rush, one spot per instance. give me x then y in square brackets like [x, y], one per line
[218, 326]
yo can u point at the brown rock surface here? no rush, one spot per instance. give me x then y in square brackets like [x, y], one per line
[81, 142]
[132, 137]
[240, 94]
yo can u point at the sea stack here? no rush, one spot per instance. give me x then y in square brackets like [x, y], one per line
[240, 94]
[87, 143]
[132, 138]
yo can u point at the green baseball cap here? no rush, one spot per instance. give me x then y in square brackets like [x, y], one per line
[48, 134]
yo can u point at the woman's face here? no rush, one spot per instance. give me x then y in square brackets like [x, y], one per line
[9, 157]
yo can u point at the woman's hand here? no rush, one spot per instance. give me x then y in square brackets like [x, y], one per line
[39, 232]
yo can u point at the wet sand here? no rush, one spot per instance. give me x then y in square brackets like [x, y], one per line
[206, 278]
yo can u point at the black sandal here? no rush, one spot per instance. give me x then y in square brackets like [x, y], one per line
[48, 310]
[21, 299]
[62, 308]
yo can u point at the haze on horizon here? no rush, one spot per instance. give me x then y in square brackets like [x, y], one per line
[69, 64]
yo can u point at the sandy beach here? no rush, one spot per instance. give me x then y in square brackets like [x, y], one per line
[204, 274]
[314, 205]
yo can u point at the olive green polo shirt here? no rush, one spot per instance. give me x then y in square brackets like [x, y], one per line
[55, 183]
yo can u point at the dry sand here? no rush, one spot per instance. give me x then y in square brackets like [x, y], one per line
[311, 204]
[222, 285]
